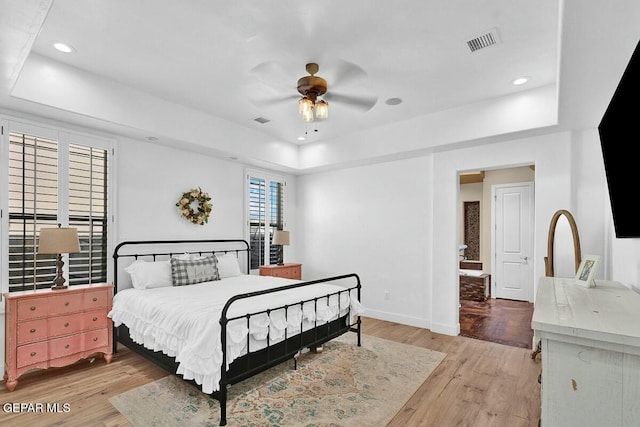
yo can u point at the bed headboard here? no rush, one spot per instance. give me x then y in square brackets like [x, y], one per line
[155, 250]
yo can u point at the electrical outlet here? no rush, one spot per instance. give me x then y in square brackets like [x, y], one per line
[387, 295]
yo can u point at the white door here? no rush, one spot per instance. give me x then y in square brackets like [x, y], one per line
[513, 241]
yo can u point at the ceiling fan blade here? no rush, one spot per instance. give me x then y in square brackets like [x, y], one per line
[262, 101]
[345, 73]
[273, 74]
[360, 102]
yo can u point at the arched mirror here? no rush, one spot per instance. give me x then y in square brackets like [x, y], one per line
[563, 246]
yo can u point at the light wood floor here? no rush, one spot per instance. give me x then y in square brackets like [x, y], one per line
[478, 384]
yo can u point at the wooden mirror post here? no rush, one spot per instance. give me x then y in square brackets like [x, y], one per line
[548, 260]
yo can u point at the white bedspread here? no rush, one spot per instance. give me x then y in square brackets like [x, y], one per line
[183, 321]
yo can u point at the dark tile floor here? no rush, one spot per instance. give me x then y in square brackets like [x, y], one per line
[498, 320]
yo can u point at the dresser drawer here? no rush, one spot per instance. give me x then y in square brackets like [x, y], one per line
[31, 353]
[32, 308]
[294, 273]
[32, 330]
[67, 303]
[65, 325]
[96, 319]
[65, 346]
[96, 339]
[288, 272]
[96, 299]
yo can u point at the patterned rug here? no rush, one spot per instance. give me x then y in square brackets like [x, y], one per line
[344, 385]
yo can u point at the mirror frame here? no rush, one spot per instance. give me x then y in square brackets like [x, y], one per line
[548, 260]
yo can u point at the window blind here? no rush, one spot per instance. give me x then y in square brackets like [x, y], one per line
[33, 203]
[88, 177]
[266, 214]
[38, 188]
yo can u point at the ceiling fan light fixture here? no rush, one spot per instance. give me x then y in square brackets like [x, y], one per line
[307, 115]
[322, 109]
[305, 105]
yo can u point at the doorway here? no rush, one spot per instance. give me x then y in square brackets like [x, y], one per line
[498, 316]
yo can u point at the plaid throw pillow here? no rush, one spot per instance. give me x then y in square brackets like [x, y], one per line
[189, 272]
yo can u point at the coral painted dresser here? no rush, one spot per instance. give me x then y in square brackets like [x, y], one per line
[47, 328]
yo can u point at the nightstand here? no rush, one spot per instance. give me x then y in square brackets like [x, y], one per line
[287, 271]
[46, 328]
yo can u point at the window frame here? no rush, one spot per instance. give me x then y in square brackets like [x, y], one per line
[64, 138]
[268, 178]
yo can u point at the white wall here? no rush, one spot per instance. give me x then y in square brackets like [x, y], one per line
[374, 221]
[397, 223]
[151, 178]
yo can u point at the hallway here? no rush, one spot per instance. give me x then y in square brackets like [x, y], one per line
[497, 320]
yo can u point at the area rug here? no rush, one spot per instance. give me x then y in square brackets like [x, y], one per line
[344, 385]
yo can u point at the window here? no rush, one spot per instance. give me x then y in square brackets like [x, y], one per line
[266, 214]
[53, 179]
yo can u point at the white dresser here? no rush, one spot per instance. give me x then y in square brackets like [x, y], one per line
[590, 353]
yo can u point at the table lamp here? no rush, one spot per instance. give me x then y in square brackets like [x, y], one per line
[281, 238]
[58, 241]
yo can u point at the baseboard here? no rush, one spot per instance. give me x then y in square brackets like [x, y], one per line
[446, 329]
[393, 317]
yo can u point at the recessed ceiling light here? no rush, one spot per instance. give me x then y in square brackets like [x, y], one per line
[63, 47]
[301, 138]
[393, 101]
[520, 80]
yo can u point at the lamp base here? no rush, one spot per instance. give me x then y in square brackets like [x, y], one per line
[58, 283]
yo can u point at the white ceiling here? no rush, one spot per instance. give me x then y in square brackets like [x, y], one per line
[218, 57]
[234, 61]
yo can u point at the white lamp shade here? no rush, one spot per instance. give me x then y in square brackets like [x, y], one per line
[59, 240]
[281, 237]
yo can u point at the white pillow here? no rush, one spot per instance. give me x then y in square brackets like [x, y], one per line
[148, 275]
[228, 265]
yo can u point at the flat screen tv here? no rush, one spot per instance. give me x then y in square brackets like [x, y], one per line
[619, 138]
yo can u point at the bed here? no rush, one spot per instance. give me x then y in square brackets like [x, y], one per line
[192, 308]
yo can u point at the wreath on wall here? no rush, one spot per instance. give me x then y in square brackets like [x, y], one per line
[195, 205]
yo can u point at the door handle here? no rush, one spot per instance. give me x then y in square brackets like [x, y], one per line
[525, 259]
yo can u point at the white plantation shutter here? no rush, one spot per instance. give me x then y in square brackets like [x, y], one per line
[33, 203]
[88, 177]
[266, 214]
[51, 182]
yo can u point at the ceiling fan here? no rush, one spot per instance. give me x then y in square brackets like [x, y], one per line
[316, 92]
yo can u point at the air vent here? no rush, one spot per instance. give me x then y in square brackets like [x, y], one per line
[262, 120]
[484, 40]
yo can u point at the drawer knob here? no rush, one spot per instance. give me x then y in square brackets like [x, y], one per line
[66, 303]
[66, 346]
[33, 353]
[95, 318]
[66, 325]
[32, 308]
[95, 338]
[33, 330]
[95, 299]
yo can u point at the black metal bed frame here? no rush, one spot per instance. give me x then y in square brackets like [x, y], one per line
[255, 362]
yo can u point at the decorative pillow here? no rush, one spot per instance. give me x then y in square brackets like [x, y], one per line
[189, 272]
[147, 275]
[188, 256]
[228, 265]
